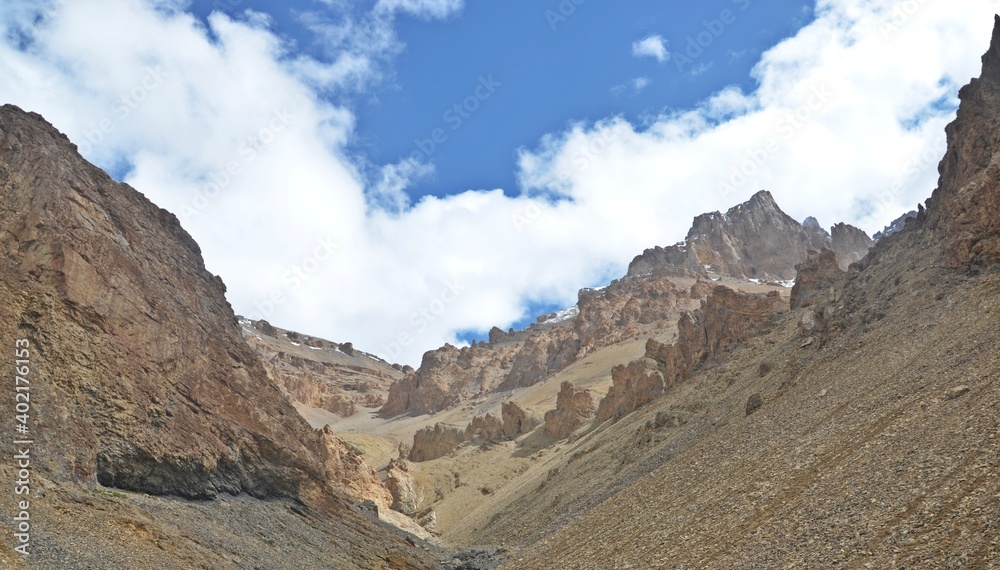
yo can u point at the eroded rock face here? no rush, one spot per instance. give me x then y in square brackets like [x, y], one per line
[726, 318]
[574, 407]
[623, 310]
[356, 478]
[516, 420]
[635, 385]
[964, 211]
[513, 422]
[850, 244]
[755, 240]
[488, 428]
[816, 280]
[148, 384]
[433, 442]
[402, 487]
[318, 373]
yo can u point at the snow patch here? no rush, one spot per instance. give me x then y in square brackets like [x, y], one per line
[563, 315]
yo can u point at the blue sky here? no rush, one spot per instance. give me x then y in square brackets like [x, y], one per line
[283, 136]
[554, 63]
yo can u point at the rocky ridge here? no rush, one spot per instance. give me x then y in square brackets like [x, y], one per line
[753, 240]
[318, 373]
[625, 309]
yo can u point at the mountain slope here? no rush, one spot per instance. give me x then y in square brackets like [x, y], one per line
[877, 443]
[140, 379]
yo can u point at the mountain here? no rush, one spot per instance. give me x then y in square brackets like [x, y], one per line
[626, 309]
[753, 240]
[849, 422]
[320, 375]
[897, 225]
[859, 431]
[140, 381]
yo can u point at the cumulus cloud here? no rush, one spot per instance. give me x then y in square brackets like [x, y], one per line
[653, 46]
[225, 124]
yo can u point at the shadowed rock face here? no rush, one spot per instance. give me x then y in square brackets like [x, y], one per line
[755, 240]
[964, 211]
[142, 377]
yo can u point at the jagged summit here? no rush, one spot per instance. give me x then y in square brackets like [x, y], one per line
[755, 240]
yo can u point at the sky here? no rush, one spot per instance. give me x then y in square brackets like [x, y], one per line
[404, 173]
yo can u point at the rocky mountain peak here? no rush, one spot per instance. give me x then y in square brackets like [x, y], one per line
[753, 240]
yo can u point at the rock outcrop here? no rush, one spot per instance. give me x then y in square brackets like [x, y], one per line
[896, 226]
[849, 243]
[318, 373]
[635, 385]
[488, 429]
[574, 407]
[754, 240]
[402, 487]
[963, 213]
[816, 280]
[353, 476]
[433, 442]
[726, 319]
[602, 317]
[514, 421]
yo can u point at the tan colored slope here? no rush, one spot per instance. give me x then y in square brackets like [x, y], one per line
[881, 471]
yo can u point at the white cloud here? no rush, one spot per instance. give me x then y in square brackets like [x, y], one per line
[181, 103]
[653, 46]
[635, 86]
[421, 8]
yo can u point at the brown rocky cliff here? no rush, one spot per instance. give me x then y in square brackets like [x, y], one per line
[623, 310]
[849, 243]
[964, 211]
[726, 318]
[142, 378]
[318, 373]
[635, 385]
